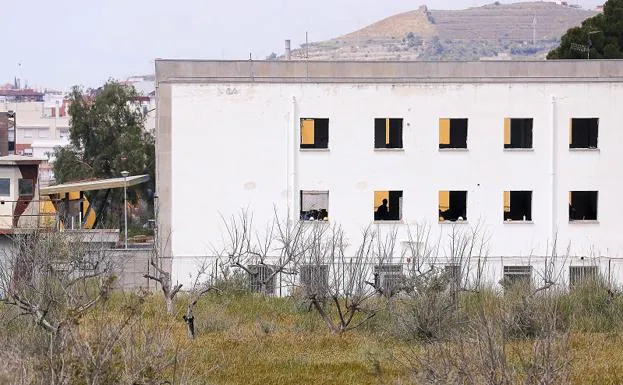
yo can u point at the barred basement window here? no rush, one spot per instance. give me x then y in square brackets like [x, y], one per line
[518, 133]
[259, 281]
[315, 279]
[314, 133]
[514, 275]
[453, 273]
[387, 133]
[387, 278]
[581, 275]
[452, 133]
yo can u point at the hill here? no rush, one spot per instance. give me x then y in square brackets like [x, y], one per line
[519, 30]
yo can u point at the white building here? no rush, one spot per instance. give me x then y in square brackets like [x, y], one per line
[530, 151]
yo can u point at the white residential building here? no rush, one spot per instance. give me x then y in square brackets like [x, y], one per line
[528, 151]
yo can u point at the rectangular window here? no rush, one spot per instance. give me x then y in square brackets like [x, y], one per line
[517, 205]
[452, 206]
[28, 132]
[387, 205]
[453, 273]
[514, 275]
[387, 278]
[452, 133]
[387, 133]
[518, 133]
[26, 187]
[5, 187]
[583, 205]
[314, 133]
[260, 280]
[583, 133]
[315, 279]
[43, 132]
[580, 275]
[314, 205]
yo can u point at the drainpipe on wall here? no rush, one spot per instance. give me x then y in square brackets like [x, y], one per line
[554, 169]
[291, 155]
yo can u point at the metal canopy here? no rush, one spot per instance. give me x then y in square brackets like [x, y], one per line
[102, 184]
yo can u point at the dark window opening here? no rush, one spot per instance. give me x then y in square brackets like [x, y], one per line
[452, 206]
[387, 205]
[388, 278]
[261, 279]
[315, 279]
[584, 133]
[388, 133]
[583, 205]
[581, 275]
[518, 205]
[314, 205]
[517, 275]
[314, 133]
[26, 187]
[517, 133]
[5, 186]
[452, 133]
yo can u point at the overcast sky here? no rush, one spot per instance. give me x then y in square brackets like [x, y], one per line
[66, 42]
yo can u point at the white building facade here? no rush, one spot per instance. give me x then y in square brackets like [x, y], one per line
[529, 152]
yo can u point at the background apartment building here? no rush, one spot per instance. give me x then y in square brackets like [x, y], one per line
[527, 151]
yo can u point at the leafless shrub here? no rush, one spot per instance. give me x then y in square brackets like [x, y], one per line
[162, 276]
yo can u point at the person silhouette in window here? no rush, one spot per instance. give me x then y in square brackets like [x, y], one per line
[382, 212]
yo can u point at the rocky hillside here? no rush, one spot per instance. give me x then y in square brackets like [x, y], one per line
[498, 31]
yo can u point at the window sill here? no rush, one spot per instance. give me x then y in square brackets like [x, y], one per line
[518, 222]
[453, 150]
[390, 222]
[314, 149]
[518, 149]
[314, 222]
[449, 222]
[584, 150]
[585, 221]
[389, 149]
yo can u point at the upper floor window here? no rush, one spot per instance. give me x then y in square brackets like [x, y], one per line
[583, 133]
[452, 133]
[26, 187]
[518, 133]
[314, 133]
[387, 205]
[452, 206]
[583, 205]
[517, 205]
[314, 205]
[387, 133]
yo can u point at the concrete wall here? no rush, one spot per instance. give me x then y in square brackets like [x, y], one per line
[247, 133]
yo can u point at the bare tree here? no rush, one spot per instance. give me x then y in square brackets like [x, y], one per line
[348, 287]
[162, 276]
[264, 255]
[55, 280]
[201, 286]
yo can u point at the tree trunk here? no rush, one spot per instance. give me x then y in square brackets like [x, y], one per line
[169, 303]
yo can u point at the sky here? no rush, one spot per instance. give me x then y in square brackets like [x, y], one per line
[57, 44]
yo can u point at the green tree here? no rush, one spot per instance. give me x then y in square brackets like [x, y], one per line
[107, 136]
[603, 32]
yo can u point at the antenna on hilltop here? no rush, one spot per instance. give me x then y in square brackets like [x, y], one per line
[534, 30]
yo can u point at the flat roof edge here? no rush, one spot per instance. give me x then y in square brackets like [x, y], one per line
[215, 71]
